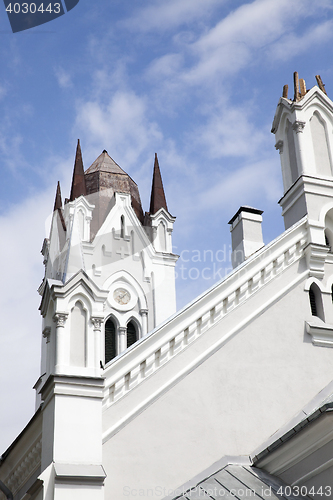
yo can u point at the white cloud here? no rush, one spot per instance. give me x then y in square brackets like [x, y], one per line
[162, 15]
[292, 44]
[251, 33]
[255, 180]
[229, 131]
[63, 77]
[22, 230]
[121, 124]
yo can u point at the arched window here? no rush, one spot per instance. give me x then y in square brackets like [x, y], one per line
[132, 336]
[316, 303]
[122, 227]
[110, 340]
[313, 304]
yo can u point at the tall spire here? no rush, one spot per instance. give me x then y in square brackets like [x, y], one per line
[58, 206]
[157, 198]
[58, 200]
[78, 182]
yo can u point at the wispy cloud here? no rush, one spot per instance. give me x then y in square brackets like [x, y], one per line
[293, 44]
[20, 334]
[230, 131]
[121, 123]
[242, 186]
[248, 35]
[164, 16]
[63, 77]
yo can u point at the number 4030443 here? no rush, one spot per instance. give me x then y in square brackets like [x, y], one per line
[31, 8]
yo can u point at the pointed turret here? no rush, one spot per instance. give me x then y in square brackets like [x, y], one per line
[157, 198]
[58, 206]
[78, 182]
[58, 199]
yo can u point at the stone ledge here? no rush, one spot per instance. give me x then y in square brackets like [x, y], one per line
[321, 333]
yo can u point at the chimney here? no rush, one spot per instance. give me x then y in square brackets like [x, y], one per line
[246, 234]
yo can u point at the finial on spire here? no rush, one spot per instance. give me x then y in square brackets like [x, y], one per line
[320, 84]
[58, 199]
[157, 198]
[297, 94]
[78, 182]
[302, 86]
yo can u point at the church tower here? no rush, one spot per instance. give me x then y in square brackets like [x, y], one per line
[303, 128]
[109, 280]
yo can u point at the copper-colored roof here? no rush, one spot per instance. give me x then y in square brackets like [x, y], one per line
[157, 198]
[103, 178]
[104, 163]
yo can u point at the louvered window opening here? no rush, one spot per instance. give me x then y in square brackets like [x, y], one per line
[313, 303]
[110, 340]
[131, 334]
[326, 241]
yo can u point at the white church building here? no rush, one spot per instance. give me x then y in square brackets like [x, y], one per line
[230, 397]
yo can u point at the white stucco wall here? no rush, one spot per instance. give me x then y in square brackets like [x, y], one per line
[228, 405]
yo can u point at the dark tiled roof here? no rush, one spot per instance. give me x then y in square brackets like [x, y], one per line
[239, 482]
[104, 163]
[325, 408]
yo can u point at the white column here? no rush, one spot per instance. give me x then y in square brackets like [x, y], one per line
[122, 334]
[298, 126]
[98, 354]
[144, 323]
[46, 335]
[60, 344]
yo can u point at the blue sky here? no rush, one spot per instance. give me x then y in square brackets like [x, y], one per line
[196, 81]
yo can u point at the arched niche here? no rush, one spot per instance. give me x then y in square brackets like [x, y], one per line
[320, 145]
[292, 152]
[161, 237]
[329, 229]
[81, 222]
[78, 335]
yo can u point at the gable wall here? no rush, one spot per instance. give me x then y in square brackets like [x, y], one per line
[230, 403]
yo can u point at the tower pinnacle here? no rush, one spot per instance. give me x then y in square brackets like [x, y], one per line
[78, 182]
[58, 199]
[157, 198]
